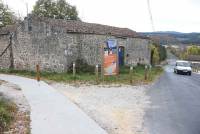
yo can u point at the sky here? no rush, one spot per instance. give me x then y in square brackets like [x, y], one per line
[168, 15]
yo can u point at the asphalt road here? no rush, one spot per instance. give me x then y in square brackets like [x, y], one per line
[175, 104]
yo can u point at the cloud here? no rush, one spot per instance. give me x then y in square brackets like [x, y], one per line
[169, 15]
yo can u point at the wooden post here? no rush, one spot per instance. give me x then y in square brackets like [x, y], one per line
[131, 73]
[74, 70]
[97, 73]
[38, 72]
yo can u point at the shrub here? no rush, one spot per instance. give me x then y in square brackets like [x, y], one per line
[155, 57]
[82, 67]
[7, 112]
[162, 53]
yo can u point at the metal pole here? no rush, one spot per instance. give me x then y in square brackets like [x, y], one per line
[74, 70]
[97, 74]
[145, 73]
[131, 73]
[102, 62]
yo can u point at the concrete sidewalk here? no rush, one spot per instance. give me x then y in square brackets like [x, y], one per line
[51, 112]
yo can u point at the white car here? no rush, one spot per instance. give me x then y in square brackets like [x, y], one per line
[183, 67]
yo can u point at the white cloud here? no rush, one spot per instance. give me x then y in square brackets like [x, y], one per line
[176, 15]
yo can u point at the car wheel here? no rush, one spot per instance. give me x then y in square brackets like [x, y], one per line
[175, 71]
[190, 73]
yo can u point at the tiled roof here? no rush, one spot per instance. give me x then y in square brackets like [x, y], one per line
[72, 26]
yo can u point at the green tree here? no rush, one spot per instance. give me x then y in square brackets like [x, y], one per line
[155, 55]
[193, 50]
[6, 16]
[162, 52]
[199, 51]
[55, 9]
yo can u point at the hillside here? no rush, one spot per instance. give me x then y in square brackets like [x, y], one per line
[170, 37]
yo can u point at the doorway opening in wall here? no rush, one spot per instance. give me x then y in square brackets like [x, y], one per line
[121, 55]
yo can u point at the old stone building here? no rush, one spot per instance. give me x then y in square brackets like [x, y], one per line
[55, 44]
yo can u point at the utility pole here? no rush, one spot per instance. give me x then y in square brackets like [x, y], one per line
[27, 8]
[150, 14]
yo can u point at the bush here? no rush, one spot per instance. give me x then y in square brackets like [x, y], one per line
[82, 67]
[155, 57]
[7, 112]
[162, 53]
[193, 50]
[186, 52]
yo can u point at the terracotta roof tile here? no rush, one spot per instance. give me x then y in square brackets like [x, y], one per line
[72, 26]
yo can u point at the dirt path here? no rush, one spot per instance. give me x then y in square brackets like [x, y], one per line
[119, 110]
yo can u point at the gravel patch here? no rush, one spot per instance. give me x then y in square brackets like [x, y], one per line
[13, 93]
[117, 109]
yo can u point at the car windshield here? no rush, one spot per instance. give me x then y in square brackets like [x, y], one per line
[184, 64]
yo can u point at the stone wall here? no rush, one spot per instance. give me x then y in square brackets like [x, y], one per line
[136, 49]
[5, 59]
[54, 49]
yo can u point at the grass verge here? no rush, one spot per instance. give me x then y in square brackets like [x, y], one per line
[124, 77]
[7, 114]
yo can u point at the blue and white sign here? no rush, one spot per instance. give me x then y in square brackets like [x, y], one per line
[112, 44]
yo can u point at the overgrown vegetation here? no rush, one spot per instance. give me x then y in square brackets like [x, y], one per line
[59, 9]
[158, 53]
[174, 51]
[6, 15]
[88, 77]
[82, 67]
[193, 50]
[185, 53]
[7, 114]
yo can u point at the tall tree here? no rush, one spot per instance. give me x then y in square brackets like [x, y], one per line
[59, 9]
[6, 16]
[155, 57]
